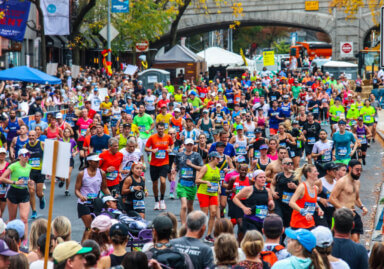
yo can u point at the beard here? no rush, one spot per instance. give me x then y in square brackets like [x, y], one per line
[354, 176]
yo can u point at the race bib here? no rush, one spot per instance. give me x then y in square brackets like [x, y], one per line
[315, 110]
[239, 188]
[112, 175]
[286, 197]
[186, 172]
[177, 128]
[166, 125]
[241, 150]
[230, 101]
[214, 187]
[338, 113]
[34, 162]
[342, 151]
[202, 95]
[298, 144]
[83, 132]
[273, 98]
[3, 190]
[367, 118]
[292, 153]
[310, 207]
[363, 139]
[90, 198]
[187, 183]
[25, 180]
[327, 156]
[261, 211]
[222, 175]
[138, 204]
[249, 135]
[257, 154]
[283, 144]
[311, 140]
[142, 128]
[160, 154]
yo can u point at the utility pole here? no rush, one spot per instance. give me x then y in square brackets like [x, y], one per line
[109, 30]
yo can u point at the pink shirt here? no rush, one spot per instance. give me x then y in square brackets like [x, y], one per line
[83, 126]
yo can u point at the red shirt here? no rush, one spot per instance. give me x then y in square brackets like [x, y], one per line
[202, 93]
[91, 113]
[162, 102]
[109, 159]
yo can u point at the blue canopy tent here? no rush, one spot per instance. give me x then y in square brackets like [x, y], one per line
[28, 74]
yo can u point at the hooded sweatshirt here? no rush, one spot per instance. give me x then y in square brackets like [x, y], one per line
[293, 263]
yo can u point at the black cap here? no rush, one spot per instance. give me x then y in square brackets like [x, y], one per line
[342, 122]
[126, 125]
[38, 98]
[360, 118]
[220, 144]
[330, 166]
[273, 223]
[258, 130]
[162, 223]
[118, 228]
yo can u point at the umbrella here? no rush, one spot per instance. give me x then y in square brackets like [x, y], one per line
[28, 74]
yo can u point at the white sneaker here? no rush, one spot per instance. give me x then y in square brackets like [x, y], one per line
[44, 187]
[157, 206]
[162, 205]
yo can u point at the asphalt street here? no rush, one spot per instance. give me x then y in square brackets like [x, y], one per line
[67, 206]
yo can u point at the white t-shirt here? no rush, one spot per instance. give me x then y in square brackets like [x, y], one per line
[150, 102]
[340, 264]
[327, 188]
[320, 146]
[39, 264]
[130, 158]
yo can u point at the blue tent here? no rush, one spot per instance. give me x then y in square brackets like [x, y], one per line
[28, 74]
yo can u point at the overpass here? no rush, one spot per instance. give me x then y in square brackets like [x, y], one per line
[281, 13]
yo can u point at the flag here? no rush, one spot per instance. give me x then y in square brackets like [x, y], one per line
[56, 16]
[13, 18]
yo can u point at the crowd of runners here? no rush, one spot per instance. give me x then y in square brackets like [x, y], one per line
[274, 155]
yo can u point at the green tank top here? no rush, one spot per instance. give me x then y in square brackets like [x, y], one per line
[122, 141]
[213, 176]
[19, 172]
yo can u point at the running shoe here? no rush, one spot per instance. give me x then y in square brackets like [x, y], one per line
[44, 186]
[34, 215]
[42, 202]
[162, 205]
[61, 184]
[172, 196]
[209, 239]
[67, 193]
[157, 206]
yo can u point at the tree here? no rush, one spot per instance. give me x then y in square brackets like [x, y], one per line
[350, 7]
[281, 47]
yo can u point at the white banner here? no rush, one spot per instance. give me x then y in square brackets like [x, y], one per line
[56, 16]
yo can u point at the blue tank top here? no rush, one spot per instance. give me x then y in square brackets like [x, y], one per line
[13, 128]
[19, 144]
[129, 109]
[286, 110]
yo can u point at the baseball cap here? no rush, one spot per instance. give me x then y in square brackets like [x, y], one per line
[305, 238]
[188, 141]
[330, 166]
[258, 130]
[16, 225]
[3, 150]
[102, 223]
[338, 99]
[239, 127]
[67, 250]
[205, 111]
[59, 116]
[295, 122]
[22, 151]
[177, 110]
[342, 122]
[119, 228]
[218, 105]
[214, 154]
[162, 223]
[359, 119]
[126, 125]
[2, 226]
[94, 158]
[5, 251]
[220, 144]
[108, 198]
[264, 146]
[193, 93]
[323, 236]
[273, 223]
[163, 105]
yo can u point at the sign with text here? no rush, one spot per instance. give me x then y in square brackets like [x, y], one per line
[13, 19]
[120, 6]
[268, 58]
[311, 5]
[142, 46]
[346, 49]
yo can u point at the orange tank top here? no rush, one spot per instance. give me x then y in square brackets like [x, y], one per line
[177, 124]
[309, 203]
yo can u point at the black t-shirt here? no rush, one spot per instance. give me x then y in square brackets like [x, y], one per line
[312, 103]
[354, 254]
[35, 108]
[274, 96]
[313, 131]
[258, 142]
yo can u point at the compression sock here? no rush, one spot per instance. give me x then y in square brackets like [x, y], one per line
[156, 198]
[161, 197]
[172, 188]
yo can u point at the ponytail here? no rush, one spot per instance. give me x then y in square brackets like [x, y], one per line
[303, 171]
[317, 261]
[324, 252]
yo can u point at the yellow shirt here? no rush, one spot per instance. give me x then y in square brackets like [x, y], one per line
[106, 108]
[134, 130]
[178, 97]
[166, 119]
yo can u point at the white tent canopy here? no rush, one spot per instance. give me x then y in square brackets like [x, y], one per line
[215, 56]
[339, 64]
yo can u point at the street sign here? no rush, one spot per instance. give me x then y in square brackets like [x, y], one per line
[268, 57]
[346, 49]
[311, 5]
[104, 32]
[382, 38]
[120, 6]
[142, 46]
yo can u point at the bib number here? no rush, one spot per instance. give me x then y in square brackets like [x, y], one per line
[187, 183]
[138, 204]
[241, 150]
[112, 175]
[311, 140]
[142, 128]
[311, 207]
[83, 132]
[367, 118]
[261, 211]
[186, 172]
[214, 187]
[34, 162]
[257, 154]
[160, 154]
[342, 151]
[286, 197]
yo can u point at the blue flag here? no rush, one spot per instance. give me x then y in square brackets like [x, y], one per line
[13, 18]
[120, 6]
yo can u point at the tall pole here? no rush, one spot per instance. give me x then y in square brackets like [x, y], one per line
[109, 29]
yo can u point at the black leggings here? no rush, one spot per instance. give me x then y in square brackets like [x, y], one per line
[323, 113]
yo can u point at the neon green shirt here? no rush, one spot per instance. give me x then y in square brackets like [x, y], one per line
[213, 176]
[144, 124]
[336, 112]
[368, 114]
[19, 172]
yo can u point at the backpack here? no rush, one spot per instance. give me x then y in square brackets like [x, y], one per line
[269, 256]
[169, 258]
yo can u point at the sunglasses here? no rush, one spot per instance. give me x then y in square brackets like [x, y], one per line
[290, 163]
[25, 155]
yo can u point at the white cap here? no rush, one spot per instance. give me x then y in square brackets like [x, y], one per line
[95, 158]
[3, 150]
[22, 151]
[108, 198]
[59, 116]
[257, 172]
[177, 109]
[323, 236]
[188, 141]
[218, 105]
[79, 87]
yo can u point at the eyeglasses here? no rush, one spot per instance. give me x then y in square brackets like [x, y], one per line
[289, 163]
